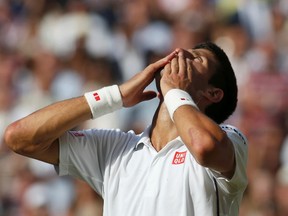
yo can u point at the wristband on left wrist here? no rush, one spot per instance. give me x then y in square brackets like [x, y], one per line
[175, 98]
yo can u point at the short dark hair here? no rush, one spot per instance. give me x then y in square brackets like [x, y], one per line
[223, 78]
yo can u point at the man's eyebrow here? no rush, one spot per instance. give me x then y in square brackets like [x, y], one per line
[198, 54]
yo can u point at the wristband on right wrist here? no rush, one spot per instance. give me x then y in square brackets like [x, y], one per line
[104, 100]
[175, 98]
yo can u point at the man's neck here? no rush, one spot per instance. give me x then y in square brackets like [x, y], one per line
[163, 129]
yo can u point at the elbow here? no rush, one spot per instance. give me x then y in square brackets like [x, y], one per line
[203, 154]
[203, 147]
[12, 138]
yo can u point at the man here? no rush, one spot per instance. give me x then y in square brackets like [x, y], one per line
[183, 164]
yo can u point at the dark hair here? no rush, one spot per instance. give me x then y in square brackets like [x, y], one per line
[223, 78]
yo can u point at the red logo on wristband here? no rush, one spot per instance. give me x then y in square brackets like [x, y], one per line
[96, 96]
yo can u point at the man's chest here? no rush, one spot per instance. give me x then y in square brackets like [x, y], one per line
[150, 173]
[145, 180]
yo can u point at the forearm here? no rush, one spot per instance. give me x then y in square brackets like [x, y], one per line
[38, 130]
[197, 129]
[204, 139]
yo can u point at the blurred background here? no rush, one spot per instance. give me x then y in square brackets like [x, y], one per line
[51, 50]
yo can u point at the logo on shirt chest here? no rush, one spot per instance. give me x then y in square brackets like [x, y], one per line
[179, 158]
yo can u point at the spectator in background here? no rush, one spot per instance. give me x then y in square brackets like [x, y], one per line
[8, 68]
[265, 105]
[233, 37]
[36, 201]
[86, 201]
[281, 191]
[260, 199]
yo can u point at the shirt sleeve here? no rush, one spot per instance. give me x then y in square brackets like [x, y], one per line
[80, 156]
[239, 181]
[88, 154]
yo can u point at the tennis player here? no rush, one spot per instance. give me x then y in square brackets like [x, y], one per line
[185, 163]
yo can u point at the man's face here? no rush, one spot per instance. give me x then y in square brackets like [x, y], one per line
[202, 64]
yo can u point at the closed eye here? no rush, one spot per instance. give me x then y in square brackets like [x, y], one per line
[198, 58]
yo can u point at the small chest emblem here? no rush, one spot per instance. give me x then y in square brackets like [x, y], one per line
[77, 133]
[179, 158]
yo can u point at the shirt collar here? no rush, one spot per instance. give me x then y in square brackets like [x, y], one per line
[145, 139]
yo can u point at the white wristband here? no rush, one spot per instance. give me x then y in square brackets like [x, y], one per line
[104, 100]
[175, 98]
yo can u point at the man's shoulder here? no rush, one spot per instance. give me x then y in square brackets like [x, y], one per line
[233, 132]
[95, 135]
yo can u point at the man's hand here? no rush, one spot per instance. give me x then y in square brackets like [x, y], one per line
[133, 91]
[177, 74]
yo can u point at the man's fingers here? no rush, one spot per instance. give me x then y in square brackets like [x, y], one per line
[189, 68]
[169, 57]
[167, 68]
[182, 64]
[174, 66]
[148, 95]
[162, 62]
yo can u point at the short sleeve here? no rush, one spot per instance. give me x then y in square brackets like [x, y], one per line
[89, 154]
[82, 156]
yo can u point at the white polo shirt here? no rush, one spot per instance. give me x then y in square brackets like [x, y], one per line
[136, 180]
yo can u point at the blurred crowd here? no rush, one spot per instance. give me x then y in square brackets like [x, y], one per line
[52, 50]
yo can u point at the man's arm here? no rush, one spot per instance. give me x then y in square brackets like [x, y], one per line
[36, 135]
[206, 141]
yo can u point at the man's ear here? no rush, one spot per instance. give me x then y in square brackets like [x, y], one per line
[214, 95]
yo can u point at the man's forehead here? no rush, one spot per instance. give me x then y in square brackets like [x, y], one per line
[204, 53]
[201, 51]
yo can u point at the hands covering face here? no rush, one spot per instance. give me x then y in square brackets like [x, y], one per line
[177, 73]
[133, 91]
